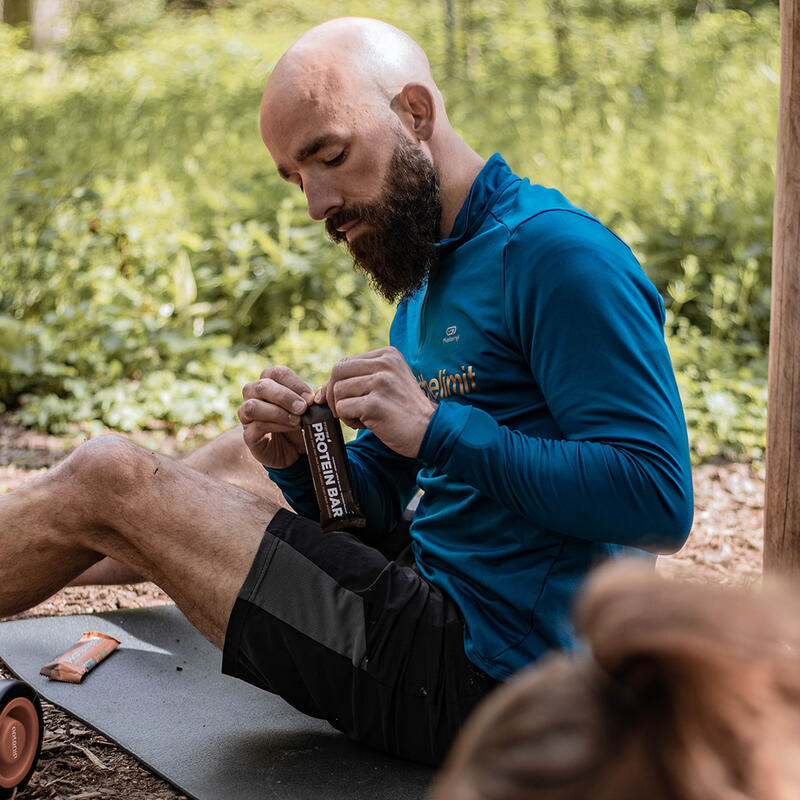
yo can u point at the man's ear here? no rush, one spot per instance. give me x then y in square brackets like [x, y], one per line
[416, 109]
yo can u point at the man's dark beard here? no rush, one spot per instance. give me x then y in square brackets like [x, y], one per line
[399, 252]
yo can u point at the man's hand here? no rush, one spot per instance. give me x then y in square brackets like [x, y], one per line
[377, 390]
[270, 415]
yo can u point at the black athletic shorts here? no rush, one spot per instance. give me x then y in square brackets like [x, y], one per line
[346, 635]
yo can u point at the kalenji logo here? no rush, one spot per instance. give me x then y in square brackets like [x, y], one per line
[451, 331]
[450, 335]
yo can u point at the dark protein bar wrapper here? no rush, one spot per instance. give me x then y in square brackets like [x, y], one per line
[83, 656]
[327, 457]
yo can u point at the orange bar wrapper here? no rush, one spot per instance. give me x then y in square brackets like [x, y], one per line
[83, 656]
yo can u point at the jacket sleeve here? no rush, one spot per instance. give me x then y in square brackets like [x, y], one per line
[383, 483]
[589, 323]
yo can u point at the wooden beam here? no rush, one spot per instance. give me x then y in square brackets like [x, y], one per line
[782, 500]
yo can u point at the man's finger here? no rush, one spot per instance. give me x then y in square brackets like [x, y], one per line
[287, 377]
[255, 410]
[353, 387]
[254, 432]
[320, 396]
[351, 410]
[271, 391]
[380, 351]
[353, 366]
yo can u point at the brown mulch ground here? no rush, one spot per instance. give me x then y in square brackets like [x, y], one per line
[78, 763]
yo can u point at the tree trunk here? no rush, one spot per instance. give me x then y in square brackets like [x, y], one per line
[450, 38]
[468, 28]
[782, 500]
[559, 15]
[16, 12]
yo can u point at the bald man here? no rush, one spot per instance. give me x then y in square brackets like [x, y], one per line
[527, 391]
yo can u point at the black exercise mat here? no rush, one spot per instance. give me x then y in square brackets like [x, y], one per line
[161, 696]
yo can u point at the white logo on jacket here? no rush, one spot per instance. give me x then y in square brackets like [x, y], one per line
[450, 334]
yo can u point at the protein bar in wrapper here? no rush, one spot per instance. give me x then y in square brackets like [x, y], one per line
[327, 457]
[82, 657]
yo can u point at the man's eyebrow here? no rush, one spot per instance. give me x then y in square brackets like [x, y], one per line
[314, 146]
[308, 150]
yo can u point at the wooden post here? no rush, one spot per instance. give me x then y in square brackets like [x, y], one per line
[450, 39]
[782, 500]
[15, 12]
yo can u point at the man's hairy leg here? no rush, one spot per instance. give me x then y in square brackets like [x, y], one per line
[194, 536]
[225, 458]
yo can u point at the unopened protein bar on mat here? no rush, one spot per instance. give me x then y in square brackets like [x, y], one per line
[327, 457]
[82, 657]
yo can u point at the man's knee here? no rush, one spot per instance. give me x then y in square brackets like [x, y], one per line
[107, 470]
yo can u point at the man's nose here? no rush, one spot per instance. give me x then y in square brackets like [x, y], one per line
[323, 199]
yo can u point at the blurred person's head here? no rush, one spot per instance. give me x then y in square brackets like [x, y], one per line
[351, 114]
[684, 692]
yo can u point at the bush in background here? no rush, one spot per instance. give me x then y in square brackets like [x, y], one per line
[152, 261]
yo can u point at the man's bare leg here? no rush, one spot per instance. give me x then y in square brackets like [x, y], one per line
[225, 458]
[196, 537]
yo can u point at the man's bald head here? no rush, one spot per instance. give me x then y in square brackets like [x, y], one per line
[352, 66]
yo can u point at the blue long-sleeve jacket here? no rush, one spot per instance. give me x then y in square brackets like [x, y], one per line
[559, 437]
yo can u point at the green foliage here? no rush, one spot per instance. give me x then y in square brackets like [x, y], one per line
[98, 26]
[724, 393]
[102, 322]
[624, 11]
[151, 261]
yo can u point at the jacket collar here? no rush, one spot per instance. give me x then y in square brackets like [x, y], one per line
[491, 181]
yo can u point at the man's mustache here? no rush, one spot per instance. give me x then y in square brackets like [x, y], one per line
[341, 218]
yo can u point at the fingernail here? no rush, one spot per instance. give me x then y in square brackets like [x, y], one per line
[293, 420]
[298, 406]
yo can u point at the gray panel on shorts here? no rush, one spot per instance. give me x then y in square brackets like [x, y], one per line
[331, 615]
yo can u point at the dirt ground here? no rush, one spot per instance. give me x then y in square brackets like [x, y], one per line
[78, 763]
